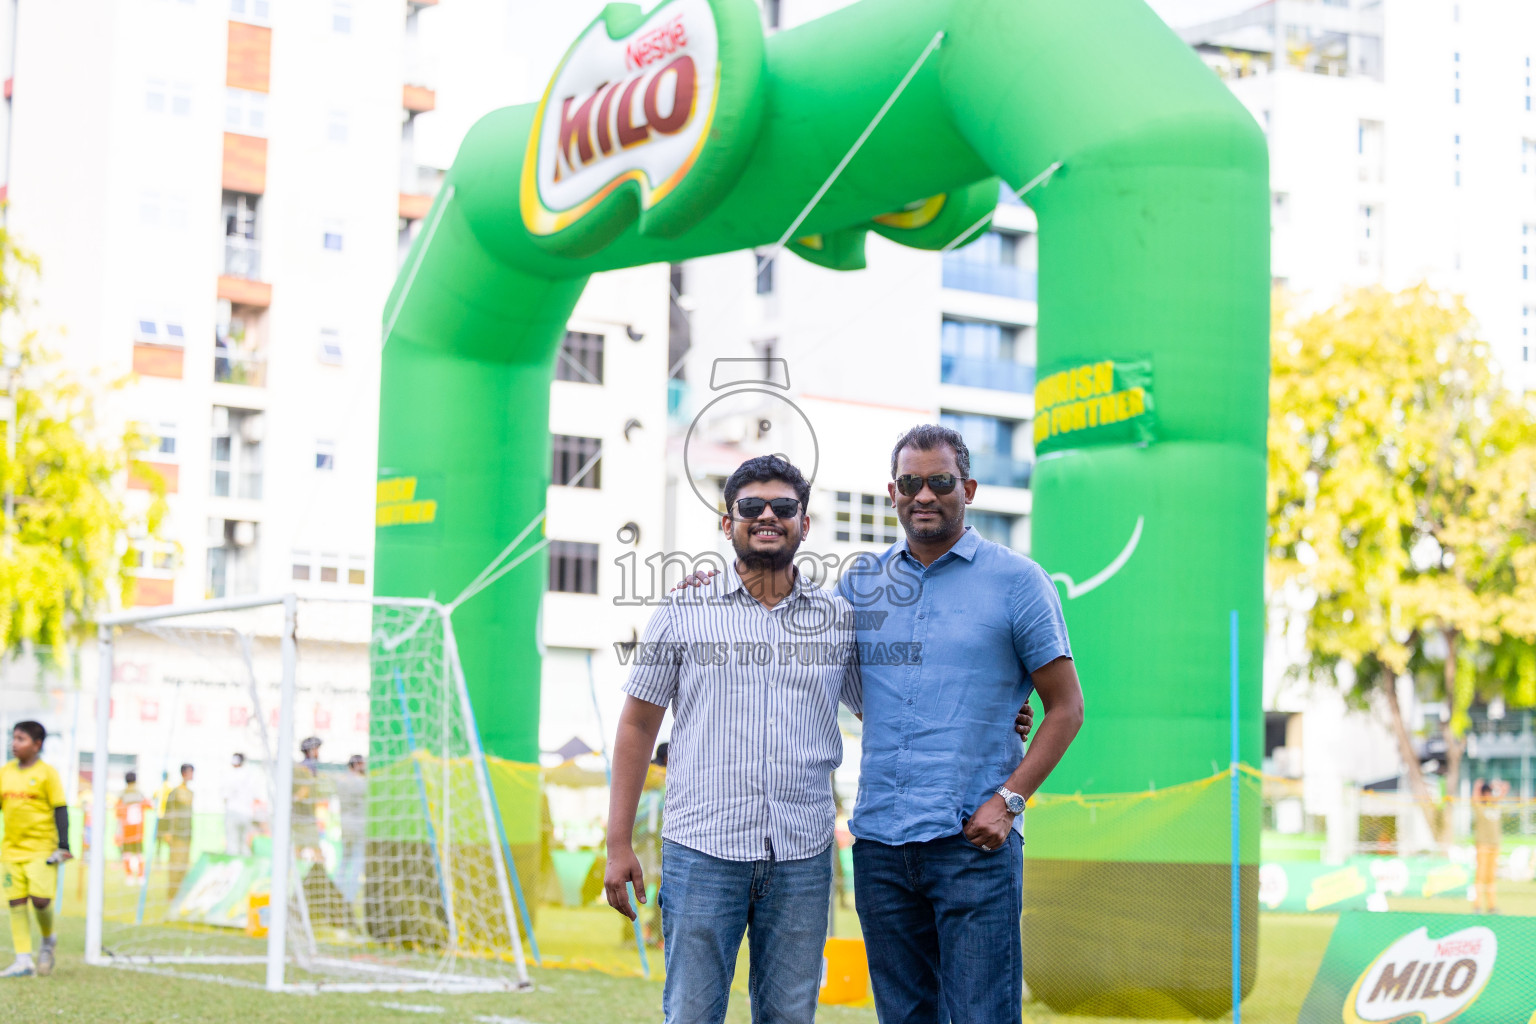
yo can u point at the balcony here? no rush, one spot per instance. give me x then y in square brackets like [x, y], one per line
[990, 278]
[235, 366]
[998, 374]
[228, 483]
[242, 257]
[999, 470]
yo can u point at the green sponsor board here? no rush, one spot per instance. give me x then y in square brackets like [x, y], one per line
[217, 890]
[1427, 968]
[1363, 883]
[1099, 403]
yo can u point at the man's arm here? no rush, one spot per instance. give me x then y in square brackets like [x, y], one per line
[1062, 697]
[639, 723]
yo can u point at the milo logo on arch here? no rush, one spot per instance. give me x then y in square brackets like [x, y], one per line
[1420, 978]
[647, 116]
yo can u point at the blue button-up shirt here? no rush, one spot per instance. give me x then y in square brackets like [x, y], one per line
[945, 670]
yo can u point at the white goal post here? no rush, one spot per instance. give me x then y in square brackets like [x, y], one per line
[389, 875]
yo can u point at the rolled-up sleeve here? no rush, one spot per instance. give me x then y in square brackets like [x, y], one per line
[654, 676]
[1039, 629]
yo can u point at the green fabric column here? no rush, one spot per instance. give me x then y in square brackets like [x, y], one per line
[1153, 246]
[464, 412]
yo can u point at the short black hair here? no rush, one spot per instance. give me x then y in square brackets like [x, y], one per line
[131, 777]
[32, 729]
[925, 437]
[761, 470]
[186, 768]
[1485, 789]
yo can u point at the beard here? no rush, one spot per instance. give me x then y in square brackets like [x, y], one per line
[760, 560]
[947, 523]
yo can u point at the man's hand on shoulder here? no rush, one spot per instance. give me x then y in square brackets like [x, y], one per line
[697, 579]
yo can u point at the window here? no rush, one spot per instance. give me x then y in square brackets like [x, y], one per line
[580, 358]
[242, 235]
[160, 332]
[991, 442]
[325, 455]
[577, 461]
[357, 574]
[232, 557]
[996, 263]
[160, 98]
[981, 354]
[258, 11]
[328, 573]
[164, 446]
[336, 126]
[341, 17]
[150, 557]
[764, 273]
[572, 567]
[301, 571]
[994, 526]
[871, 518]
[330, 346]
[332, 236]
[245, 112]
[235, 461]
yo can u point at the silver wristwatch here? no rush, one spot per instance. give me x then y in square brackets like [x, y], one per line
[1011, 800]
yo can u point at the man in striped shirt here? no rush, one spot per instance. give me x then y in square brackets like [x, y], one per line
[754, 669]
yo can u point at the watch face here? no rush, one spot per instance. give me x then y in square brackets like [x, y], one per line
[1015, 804]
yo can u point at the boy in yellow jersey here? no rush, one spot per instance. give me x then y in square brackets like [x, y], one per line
[36, 842]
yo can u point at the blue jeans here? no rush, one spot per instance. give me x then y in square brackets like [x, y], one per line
[942, 916]
[706, 906]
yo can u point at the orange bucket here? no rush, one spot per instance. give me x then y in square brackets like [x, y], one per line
[844, 972]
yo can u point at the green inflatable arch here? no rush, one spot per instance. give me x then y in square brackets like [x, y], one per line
[682, 133]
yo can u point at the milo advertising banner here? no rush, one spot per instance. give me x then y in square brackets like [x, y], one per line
[217, 890]
[1098, 403]
[1363, 883]
[1429, 968]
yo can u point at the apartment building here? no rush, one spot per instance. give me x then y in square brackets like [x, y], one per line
[212, 188]
[1402, 149]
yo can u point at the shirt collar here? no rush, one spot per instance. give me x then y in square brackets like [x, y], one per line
[733, 583]
[965, 547]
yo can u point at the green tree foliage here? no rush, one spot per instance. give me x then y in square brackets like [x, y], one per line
[65, 553]
[1402, 505]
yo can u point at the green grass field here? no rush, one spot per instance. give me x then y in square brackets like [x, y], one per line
[1290, 949]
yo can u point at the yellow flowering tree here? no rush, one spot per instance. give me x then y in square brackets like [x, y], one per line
[64, 551]
[1402, 518]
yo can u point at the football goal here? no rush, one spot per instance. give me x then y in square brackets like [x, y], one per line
[290, 793]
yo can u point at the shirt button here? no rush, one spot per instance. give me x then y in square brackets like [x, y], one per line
[909, 700]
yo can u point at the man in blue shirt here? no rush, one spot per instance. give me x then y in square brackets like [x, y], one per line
[938, 827]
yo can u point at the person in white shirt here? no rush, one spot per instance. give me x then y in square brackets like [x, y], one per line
[242, 792]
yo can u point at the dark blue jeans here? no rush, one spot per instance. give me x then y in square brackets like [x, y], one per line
[706, 906]
[942, 916]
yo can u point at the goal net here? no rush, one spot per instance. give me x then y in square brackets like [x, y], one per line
[308, 807]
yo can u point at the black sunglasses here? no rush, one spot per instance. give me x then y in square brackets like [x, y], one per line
[783, 508]
[939, 483]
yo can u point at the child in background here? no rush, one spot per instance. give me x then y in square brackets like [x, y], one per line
[36, 843]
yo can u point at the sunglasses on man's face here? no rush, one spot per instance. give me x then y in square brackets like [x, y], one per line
[939, 483]
[751, 508]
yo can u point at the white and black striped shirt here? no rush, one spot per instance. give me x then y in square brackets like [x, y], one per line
[754, 694]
